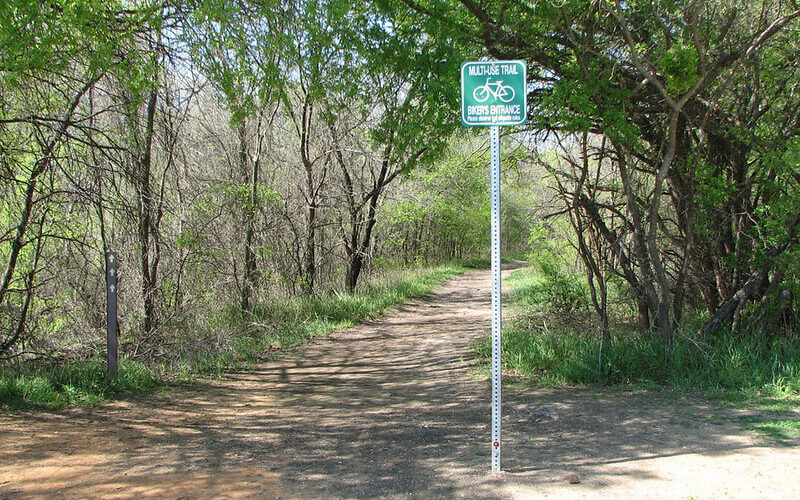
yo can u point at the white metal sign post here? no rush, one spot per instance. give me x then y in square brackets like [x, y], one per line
[493, 94]
[497, 312]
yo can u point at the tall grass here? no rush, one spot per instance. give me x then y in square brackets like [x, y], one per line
[721, 363]
[569, 355]
[272, 327]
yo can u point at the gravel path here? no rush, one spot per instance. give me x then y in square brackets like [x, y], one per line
[390, 409]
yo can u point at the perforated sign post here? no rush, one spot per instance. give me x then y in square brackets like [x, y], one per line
[494, 94]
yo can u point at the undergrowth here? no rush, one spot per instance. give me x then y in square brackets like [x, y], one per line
[271, 328]
[558, 352]
[281, 324]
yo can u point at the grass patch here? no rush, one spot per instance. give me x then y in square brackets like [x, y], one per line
[782, 431]
[777, 418]
[270, 329]
[53, 386]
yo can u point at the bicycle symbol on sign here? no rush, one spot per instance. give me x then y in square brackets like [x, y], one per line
[505, 93]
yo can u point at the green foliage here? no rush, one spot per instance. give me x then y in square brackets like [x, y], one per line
[722, 363]
[554, 284]
[615, 70]
[679, 64]
[47, 37]
[237, 45]
[548, 248]
[63, 41]
[447, 218]
[446, 214]
[238, 195]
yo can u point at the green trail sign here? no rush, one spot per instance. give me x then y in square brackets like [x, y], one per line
[493, 93]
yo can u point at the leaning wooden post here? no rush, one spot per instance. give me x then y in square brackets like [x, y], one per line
[111, 314]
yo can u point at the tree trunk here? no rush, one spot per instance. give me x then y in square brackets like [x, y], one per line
[146, 219]
[357, 260]
[251, 179]
[643, 313]
[310, 255]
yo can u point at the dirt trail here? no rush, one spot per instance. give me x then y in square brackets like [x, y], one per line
[388, 409]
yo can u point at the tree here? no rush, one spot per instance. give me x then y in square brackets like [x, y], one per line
[400, 84]
[238, 46]
[51, 56]
[690, 96]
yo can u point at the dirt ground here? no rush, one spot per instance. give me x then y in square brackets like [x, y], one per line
[390, 409]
